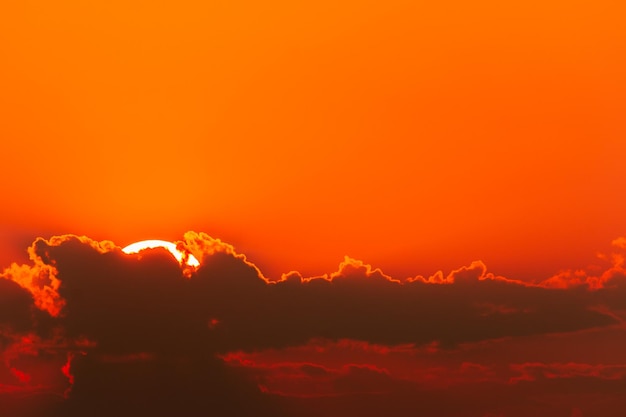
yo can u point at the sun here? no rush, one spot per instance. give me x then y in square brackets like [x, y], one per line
[180, 256]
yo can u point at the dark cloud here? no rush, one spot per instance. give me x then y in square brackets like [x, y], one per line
[24, 393]
[358, 303]
[141, 335]
[163, 386]
[364, 378]
[16, 308]
[444, 388]
[142, 303]
[313, 380]
[549, 398]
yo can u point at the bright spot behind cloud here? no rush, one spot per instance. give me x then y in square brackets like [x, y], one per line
[150, 244]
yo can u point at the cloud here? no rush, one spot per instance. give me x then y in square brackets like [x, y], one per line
[308, 380]
[535, 370]
[16, 307]
[619, 242]
[358, 302]
[39, 279]
[162, 386]
[99, 285]
[611, 276]
[128, 339]
[111, 322]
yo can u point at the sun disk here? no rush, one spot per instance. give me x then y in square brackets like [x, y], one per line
[171, 247]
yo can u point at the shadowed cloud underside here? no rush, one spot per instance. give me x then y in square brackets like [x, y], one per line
[92, 324]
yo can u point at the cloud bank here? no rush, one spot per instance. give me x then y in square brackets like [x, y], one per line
[87, 329]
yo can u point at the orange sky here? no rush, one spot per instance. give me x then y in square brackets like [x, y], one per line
[411, 136]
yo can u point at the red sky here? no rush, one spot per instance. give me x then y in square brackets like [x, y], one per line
[412, 136]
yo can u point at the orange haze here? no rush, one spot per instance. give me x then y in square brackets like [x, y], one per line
[412, 135]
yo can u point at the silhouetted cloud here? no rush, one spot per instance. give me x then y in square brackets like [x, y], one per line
[138, 334]
[16, 308]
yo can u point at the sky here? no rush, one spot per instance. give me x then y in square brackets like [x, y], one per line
[391, 203]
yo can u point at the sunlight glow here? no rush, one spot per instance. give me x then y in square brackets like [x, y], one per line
[150, 244]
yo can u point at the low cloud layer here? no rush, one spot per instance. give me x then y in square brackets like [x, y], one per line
[88, 329]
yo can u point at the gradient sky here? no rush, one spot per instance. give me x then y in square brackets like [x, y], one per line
[413, 136]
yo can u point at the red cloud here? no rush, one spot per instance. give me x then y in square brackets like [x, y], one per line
[20, 375]
[306, 379]
[41, 281]
[40, 278]
[534, 370]
[610, 276]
